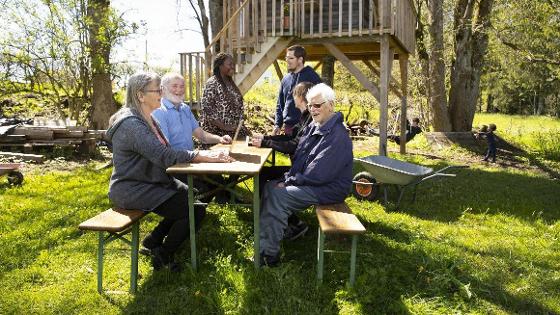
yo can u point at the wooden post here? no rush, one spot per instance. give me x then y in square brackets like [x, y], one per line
[403, 63]
[386, 64]
[278, 70]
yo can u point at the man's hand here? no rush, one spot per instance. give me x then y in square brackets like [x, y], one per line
[280, 185]
[276, 131]
[225, 139]
[257, 140]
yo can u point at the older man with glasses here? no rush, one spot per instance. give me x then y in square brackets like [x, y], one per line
[321, 173]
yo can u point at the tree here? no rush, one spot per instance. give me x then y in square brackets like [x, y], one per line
[469, 43]
[46, 46]
[102, 103]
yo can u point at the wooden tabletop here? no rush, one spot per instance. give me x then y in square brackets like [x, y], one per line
[249, 160]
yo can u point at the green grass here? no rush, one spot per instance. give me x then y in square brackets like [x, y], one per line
[539, 135]
[483, 242]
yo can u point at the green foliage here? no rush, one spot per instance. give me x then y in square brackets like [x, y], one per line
[523, 74]
[45, 45]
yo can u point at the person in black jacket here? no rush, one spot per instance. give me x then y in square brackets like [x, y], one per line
[411, 131]
[287, 144]
[287, 115]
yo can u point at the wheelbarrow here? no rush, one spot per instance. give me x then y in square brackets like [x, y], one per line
[15, 177]
[384, 171]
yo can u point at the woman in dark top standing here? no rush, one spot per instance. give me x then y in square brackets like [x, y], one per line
[141, 155]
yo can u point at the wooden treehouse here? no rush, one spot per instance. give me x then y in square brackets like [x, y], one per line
[257, 32]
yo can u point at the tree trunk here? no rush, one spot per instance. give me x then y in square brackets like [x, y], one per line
[438, 96]
[471, 44]
[102, 103]
[327, 70]
[216, 8]
[424, 60]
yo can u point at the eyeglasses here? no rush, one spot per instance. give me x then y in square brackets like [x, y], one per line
[318, 105]
[158, 91]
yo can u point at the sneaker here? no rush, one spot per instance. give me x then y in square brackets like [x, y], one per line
[293, 232]
[269, 260]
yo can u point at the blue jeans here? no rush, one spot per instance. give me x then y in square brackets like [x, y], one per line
[277, 205]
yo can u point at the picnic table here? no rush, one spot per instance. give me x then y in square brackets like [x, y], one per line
[248, 164]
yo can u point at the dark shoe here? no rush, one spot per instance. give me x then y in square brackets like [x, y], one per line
[293, 232]
[269, 261]
[148, 245]
[161, 259]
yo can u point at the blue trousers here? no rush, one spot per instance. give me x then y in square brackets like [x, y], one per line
[278, 204]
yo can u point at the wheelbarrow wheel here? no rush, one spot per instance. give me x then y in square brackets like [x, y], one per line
[364, 186]
[15, 178]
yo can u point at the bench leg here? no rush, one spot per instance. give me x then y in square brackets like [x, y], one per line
[100, 247]
[134, 257]
[320, 255]
[353, 259]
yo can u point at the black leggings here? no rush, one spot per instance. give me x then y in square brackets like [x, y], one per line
[173, 230]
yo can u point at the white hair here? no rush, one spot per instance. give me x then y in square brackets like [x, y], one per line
[170, 76]
[325, 91]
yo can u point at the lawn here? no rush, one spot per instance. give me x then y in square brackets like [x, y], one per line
[485, 242]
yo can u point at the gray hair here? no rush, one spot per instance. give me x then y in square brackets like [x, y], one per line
[170, 76]
[325, 91]
[137, 83]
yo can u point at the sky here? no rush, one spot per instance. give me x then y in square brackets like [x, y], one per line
[164, 32]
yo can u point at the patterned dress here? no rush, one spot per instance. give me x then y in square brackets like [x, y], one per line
[222, 102]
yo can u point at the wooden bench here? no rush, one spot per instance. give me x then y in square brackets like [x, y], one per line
[337, 219]
[118, 223]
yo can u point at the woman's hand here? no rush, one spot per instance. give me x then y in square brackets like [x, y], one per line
[213, 156]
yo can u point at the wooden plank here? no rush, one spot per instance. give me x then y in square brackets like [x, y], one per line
[34, 132]
[350, 18]
[403, 63]
[360, 16]
[386, 65]
[374, 90]
[110, 220]
[12, 138]
[282, 12]
[278, 70]
[311, 5]
[336, 219]
[320, 30]
[24, 157]
[330, 16]
[190, 79]
[340, 18]
[273, 17]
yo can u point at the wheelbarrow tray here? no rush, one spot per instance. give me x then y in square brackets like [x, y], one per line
[389, 171]
[6, 168]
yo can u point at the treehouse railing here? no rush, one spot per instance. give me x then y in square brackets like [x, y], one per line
[249, 23]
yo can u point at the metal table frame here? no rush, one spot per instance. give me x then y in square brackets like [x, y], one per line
[239, 167]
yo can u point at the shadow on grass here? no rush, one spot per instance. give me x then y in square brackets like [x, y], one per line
[528, 198]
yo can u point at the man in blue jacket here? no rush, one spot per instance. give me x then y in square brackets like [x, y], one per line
[321, 173]
[287, 115]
